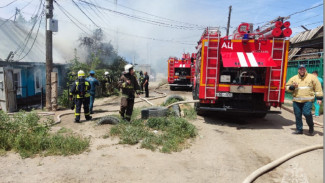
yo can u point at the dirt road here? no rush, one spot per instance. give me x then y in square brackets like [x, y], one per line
[227, 149]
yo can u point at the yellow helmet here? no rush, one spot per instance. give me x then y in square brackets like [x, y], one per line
[81, 73]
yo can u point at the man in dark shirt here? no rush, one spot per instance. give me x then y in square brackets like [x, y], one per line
[146, 84]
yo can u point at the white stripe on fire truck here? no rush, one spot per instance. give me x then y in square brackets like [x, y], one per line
[252, 59]
[242, 59]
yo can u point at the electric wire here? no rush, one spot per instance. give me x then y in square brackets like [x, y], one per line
[84, 13]
[8, 4]
[67, 14]
[6, 20]
[28, 36]
[39, 25]
[306, 19]
[163, 18]
[143, 19]
[305, 9]
[310, 24]
[297, 12]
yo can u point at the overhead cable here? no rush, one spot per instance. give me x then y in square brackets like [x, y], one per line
[84, 13]
[15, 13]
[144, 19]
[68, 15]
[159, 16]
[8, 4]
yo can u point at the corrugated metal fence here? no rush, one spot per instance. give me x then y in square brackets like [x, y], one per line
[311, 65]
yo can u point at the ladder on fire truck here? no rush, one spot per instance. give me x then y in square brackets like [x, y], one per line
[276, 91]
[214, 69]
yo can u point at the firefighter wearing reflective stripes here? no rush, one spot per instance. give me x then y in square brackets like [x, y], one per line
[129, 85]
[304, 88]
[80, 89]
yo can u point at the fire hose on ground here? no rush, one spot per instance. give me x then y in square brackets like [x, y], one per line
[116, 110]
[279, 161]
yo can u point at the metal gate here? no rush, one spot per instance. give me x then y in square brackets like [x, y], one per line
[7, 90]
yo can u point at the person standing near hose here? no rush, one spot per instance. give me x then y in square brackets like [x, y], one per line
[141, 79]
[129, 85]
[317, 106]
[304, 87]
[93, 83]
[146, 84]
[81, 88]
[108, 84]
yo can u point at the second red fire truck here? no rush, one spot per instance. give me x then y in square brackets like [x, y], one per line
[181, 71]
[244, 72]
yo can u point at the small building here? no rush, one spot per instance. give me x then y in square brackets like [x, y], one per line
[23, 84]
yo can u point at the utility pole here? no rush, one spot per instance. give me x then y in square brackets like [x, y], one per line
[228, 25]
[49, 56]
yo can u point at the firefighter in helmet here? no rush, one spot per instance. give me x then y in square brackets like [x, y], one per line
[141, 78]
[108, 84]
[81, 90]
[129, 85]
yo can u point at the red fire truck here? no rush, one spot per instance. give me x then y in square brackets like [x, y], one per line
[181, 72]
[244, 72]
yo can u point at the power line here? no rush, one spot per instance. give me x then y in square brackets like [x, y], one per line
[307, 18]
[143, 19]
[15, 13]
[310, 24]
[84, 13]
[22, 48]
[8, 4]
[158, 16]
[39, 25]
[305, 10]
[66, 13]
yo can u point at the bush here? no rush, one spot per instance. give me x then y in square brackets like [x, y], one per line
[63, 99]
[25, 134]
[172, 136]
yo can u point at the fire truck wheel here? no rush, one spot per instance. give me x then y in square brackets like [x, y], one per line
[108, 120]
[153, 112]
[172, 88]
[197, 109]
[176, 110]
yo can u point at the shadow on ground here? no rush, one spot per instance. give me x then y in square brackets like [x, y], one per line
[245, 121]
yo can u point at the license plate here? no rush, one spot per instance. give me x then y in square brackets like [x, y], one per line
[182, 77]
[224, 94]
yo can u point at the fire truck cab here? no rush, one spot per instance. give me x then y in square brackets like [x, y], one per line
[244, 74]
[181, 71]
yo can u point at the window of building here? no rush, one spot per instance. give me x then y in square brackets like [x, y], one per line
[17, 80]
[38, 81]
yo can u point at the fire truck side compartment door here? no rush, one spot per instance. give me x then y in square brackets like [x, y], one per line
[247, 59]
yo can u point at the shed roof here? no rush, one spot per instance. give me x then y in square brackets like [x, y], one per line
[303, 36]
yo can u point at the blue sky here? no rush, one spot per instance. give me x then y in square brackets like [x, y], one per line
[153, 44]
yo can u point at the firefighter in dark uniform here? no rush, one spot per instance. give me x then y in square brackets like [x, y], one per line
[80, 89]
[129, 85]
[146, 84]
[141, 78]
[108, 84]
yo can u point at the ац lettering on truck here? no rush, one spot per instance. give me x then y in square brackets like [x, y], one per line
[181, 71]
[242, 73]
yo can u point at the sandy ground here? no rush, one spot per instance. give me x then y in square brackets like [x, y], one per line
[227, 149]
